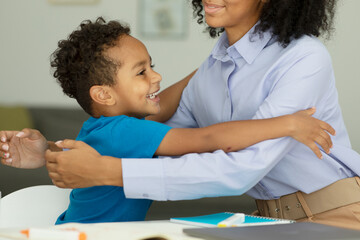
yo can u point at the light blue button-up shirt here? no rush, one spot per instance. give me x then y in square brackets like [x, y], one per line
[253, 79]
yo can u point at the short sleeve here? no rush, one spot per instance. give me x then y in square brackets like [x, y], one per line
[137, 137]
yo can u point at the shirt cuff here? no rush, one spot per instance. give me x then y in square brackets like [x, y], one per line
[144, 178]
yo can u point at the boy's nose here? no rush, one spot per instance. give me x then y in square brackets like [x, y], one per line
[156, 77]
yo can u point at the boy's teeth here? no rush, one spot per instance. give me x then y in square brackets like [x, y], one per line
[151, 96]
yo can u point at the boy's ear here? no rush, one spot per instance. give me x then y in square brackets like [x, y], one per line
[102, 95]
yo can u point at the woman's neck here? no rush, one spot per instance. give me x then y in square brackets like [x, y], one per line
[235, 33]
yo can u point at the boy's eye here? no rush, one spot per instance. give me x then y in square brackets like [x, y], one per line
[141, 72]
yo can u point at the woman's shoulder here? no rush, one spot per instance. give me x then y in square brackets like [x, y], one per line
[308, 45]
[307, 48]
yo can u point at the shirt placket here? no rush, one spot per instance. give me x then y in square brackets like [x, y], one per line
[228, 67]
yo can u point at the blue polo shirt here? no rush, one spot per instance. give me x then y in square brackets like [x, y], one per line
[119, 136]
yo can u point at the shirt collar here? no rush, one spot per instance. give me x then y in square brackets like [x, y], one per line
[248, 47]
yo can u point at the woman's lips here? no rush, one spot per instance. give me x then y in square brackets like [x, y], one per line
[212, 8]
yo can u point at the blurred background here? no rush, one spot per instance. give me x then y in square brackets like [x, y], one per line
[30, 96]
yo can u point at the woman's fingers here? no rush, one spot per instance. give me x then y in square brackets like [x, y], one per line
[5, 137]
[59, 184]
[6, 161]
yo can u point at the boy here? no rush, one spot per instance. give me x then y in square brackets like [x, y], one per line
[111, 75]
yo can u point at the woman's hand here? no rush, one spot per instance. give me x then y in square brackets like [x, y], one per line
[309, 131]
[23, 149]
[80, 166]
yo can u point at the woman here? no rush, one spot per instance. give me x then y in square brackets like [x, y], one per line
[266, 63]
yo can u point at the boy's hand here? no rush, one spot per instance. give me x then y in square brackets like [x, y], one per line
[309, 131]
[23, 149]
[82, 166]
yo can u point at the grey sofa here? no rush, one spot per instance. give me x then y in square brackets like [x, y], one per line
[60, 123]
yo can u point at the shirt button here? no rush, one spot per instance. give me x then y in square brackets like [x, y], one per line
[145, 195]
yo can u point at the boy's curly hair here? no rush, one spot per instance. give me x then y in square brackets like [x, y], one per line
[79, 62]
[287, 19]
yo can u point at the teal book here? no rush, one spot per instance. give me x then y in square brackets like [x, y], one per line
[212, 220]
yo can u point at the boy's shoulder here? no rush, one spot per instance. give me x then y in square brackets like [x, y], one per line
[121, 121]
[106, 120]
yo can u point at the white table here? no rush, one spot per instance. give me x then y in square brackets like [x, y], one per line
[117, 231]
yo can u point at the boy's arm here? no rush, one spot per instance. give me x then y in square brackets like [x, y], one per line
[236, 135]
[169, 100]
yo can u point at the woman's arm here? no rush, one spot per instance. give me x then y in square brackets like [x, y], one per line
[236, 135]
[89, 168]
[169, 100]
[25, 148]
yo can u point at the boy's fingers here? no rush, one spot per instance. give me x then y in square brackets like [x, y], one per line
[311, 111]
[328, 128]
[316, 150]
[323, 144]
[327, 138]
[318, 153]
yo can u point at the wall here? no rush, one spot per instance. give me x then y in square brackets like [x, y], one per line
[345, 49]
[30, 31]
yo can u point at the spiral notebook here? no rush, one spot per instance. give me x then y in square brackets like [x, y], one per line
[294, 231]
[212, 220]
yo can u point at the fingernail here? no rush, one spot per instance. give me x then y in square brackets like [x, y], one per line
[5, 147]
[9, 160]
[20, 134]
[58, 142]
[3, 139]
[6, 155]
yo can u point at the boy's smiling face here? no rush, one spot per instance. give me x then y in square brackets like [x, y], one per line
[137, 84]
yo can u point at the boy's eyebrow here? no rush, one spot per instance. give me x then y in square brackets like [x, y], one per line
[141, 63]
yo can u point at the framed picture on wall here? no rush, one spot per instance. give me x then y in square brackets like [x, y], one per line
[163, 18]
[65, 2]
